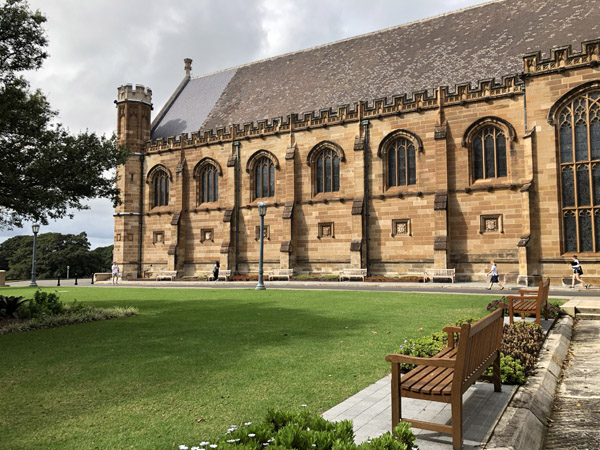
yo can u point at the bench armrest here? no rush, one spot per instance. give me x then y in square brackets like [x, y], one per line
[436, 362]
[451, 330]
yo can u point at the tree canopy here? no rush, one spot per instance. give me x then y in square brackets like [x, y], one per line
[55, 252]
[44, 169]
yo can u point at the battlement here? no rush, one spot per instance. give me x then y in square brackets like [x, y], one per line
[484, 90]
[138, 93]
[562, 58]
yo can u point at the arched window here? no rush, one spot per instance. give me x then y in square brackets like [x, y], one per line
[327, 172]
[161, 188]
[578, 123]
[401, 163]
[399, 151]
[324, 160]
[264, 178]
[488, 153]
[209, 184]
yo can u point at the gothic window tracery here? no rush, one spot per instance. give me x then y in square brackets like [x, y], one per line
[209, 184]
[578, 124]
[264, 178]
[160, 187]
[399, 151]
[489, 153]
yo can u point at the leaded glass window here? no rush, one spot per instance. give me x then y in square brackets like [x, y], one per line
[402, 163]
[327, 177]
[579, 152]
[209, 184]
[489, 153]
[161, 188]
[264, 178]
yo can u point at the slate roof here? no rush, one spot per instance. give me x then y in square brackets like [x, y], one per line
[481, 42]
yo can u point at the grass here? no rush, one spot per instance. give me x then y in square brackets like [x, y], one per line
[196, 361]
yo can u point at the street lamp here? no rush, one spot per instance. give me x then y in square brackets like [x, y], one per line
[35, 228]
[262, 211]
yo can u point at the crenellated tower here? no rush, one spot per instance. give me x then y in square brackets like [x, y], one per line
[134, 106]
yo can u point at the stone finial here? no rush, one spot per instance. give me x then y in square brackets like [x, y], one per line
[188, 66]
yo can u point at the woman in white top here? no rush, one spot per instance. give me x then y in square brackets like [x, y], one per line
[493, 274]
[577, 272]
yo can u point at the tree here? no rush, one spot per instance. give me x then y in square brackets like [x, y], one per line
[44, 170]
[55, 252]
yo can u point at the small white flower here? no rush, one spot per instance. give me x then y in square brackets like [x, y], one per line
[307, 428]
[203, 443]
[248, 423]
[271, 440]
[237, 440]
[213, 445]
[230, 441]
[304, 405]
[265, 444]
[183, 447]
[195, 448]
[251, 435]
[314, 445]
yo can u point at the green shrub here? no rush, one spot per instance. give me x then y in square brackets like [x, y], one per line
[282, 430]
[427, 346]
[522, 341]
[9, 305]
[553, 310]
[42, 304]
[495, 304]
[511, 371]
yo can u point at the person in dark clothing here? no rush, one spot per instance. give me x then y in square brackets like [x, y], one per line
[216, 271]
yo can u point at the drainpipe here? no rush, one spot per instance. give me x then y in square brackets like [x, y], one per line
[141, 216]
[365, 123]
[523, 88]
[236, 144]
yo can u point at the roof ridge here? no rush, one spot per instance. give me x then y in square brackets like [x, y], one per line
[371, 33]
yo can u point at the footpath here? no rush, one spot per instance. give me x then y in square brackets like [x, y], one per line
[555, 409]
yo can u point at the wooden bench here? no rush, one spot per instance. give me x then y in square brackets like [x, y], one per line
[281, 273]
[353, 273]
[530, 301]
[446, 376]
[439, 273]
[166, 275]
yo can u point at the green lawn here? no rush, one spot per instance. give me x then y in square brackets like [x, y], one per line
[196, 361]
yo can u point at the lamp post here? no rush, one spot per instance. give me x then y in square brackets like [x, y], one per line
[35, 228]
[262, 211]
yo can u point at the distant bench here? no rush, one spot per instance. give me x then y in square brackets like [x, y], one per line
[439, 273]
[224, 275]
[166, 275]
[281, 273]
[353, 273]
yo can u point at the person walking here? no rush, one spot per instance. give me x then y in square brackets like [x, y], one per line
[493, 274]
[115, 273]
[577, 272]
[216, 271]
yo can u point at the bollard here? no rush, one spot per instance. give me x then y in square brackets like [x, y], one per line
[93, 278]
[58, 282]
[75, 279]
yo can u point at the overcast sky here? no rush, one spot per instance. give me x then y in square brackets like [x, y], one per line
[97, 45]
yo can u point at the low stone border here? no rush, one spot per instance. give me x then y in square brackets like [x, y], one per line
[523, 425]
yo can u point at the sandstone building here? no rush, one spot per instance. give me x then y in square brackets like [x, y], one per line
[443, 143]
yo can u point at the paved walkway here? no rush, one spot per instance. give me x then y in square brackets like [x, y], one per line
[576, 411]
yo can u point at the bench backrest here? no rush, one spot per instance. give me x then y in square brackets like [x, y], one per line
[478, 344]
[544, 289]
